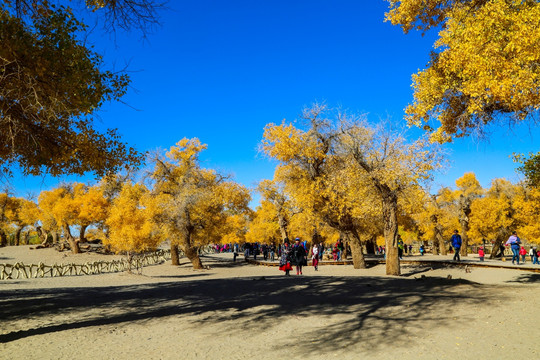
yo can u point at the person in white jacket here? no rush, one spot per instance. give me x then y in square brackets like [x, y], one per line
[315, 256]
[534, 255]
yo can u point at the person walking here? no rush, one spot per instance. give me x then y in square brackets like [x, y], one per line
[534, 255]
[456, 244]
[340, 249]
[481, 253]
[299, 256]
[315, 256]
[272, 252]
[400, 246]
[523, 254]
[285, 260]
[514, 242]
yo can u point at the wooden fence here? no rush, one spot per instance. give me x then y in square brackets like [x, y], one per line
[27, 271]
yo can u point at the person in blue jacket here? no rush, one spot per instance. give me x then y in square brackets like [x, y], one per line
[456, 244]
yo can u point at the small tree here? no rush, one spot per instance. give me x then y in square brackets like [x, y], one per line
[131, 224]
[195, 201]
[493, 216]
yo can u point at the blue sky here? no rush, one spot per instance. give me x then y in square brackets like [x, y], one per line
[221, 71]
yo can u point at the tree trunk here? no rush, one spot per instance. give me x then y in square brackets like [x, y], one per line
[192, 253]
[464, 212]
[356, 250]
[389, 209]
[129, 261]
[25, 237]
[74, 244]
[464, 239]
[18, 236]
[55, 237]
[43, 236]
[3, 239]
[283, 225]
[175, 255]
[82, 237]
[371, 244]
[442, 244]
[495, 250]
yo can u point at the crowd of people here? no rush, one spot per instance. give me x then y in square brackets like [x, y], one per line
[295, 255]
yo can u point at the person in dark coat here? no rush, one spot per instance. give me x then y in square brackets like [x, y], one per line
[285, 259]
[299, 256]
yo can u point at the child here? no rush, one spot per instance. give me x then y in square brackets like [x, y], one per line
[523, 254]
[315, 257]
[481, 253]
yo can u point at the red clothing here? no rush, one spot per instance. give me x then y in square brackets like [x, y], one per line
[481, 253]
[522, 251]
[286, 267]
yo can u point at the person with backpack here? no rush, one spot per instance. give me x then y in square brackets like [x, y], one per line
[456, 244]
[514, 242]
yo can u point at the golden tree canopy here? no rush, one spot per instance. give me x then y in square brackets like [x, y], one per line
[131, 223]
[487, 64]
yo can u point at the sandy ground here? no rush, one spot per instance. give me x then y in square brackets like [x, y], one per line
[241, 311]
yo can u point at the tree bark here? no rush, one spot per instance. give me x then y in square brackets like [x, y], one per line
[43, 236]
[371, 244]
[3, 239]
[495, 250]
[73, 243]
[359, 261]
[25, 237]
[82, 236]
[130, 261]
[283, 227]
[175, 255]
[192, 253]
[442, 244]
[389, 209]
[464, 212]
[55, 237]
[18, 236]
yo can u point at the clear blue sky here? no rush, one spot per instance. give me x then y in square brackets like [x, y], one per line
[222, 70]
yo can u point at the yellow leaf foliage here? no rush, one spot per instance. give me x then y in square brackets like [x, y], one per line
[487, 64]
[493, 215]
[527, 205]
[131, 221]
[264, 227]
[196, 202]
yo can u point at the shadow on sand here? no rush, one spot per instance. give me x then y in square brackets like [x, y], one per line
[389, 307]
[527, 278]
